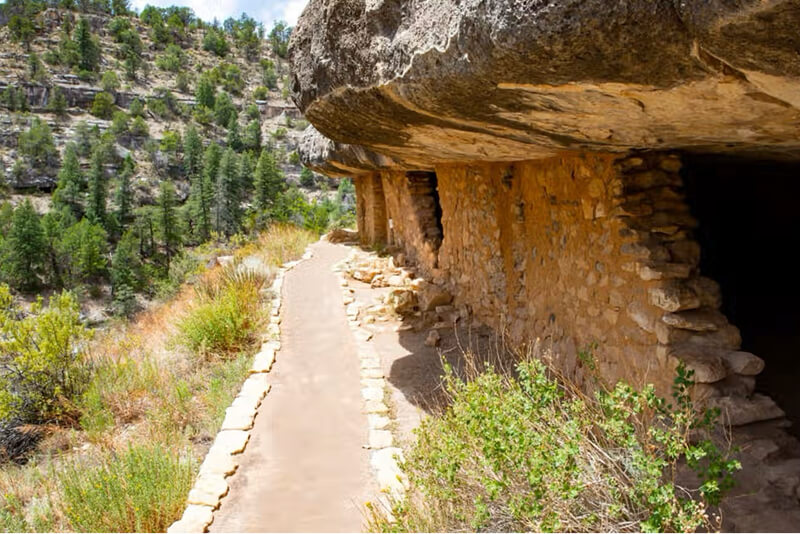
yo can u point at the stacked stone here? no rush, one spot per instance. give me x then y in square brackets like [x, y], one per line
[683, 309]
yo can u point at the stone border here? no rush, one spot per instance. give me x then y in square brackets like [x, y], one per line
[384, 453]
[222, 460]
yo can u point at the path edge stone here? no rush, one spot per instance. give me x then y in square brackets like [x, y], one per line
[240, 415]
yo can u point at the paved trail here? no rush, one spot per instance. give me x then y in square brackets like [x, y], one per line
[305, 469]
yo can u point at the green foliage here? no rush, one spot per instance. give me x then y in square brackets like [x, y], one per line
[229, 76]
[57, 102]
[96, 201]
[170, 141]
[126, 274]
[307, 178]
[120, 124]
[123, 195]
[269, 181]
[226, 317]
[168, 228]
[261, 93]
[140, 490]
[268, 75]
[204, 94]
[183, 82]
[14, 98]
[37, 145]
[139, 128]
[192, 153]
[172, 60]
[36, 70]
[233, 139]
[227, 195]
[214, 41]
[279, 133]
[103, 105]
[533, 453]
[136, 108]
[42, 359]
[23, 249]
[109, 81]
[224, 109]
[84, 247]
[279, 38]
[252, 136]
[69, 191]
[86, 47]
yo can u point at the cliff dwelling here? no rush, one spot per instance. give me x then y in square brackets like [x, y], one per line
[579, 197]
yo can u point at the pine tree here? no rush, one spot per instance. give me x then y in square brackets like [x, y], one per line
[169, 230]
[192, 154]
[96, 201]
[227, 208]
[69, 191]
[201, 198]
[204, 93]
[87, 47]
[233, 139]
[245, 175]
[123, 196]
[126, 274]
[24, 248]
[269, 181]
[54, 224]
[252, 136]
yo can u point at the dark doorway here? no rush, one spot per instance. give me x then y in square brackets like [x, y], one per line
[749, 232]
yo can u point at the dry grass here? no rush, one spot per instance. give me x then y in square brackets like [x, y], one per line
[148, 389]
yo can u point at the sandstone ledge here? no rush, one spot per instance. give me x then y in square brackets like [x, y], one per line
[443, 81]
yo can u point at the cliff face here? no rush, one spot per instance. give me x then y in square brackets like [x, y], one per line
[430, 81]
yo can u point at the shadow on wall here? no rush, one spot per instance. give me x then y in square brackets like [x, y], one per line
[749, 234]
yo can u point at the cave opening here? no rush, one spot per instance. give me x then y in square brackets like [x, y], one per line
[749, 233]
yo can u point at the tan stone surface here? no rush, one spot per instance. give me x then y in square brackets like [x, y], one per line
[208, 490]
[230, 442]
[195, 519]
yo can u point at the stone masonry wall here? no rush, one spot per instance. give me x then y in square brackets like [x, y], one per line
[581, 253]
[411, 208]
[371, 210]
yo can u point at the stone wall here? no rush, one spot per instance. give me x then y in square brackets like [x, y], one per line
[582, 254]
[371, 210]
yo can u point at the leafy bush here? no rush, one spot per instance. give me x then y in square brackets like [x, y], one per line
[141, 490]
[38, 146]
[535, 454]
[226, 316]
[214, 41]
[42, 357]
[103, 105]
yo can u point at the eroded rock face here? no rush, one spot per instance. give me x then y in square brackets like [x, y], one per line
[429, 81]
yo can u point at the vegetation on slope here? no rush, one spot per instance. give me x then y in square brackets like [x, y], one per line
[530, 452]
[126, 419]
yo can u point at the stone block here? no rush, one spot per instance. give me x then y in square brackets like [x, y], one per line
[196, 518]
[703, 320]
[238, 418]
[430, 296]
[738, 411]
[208, 490]
[263, 361]
[743, 363]
[673, 297]
[230, 442]
[219, 464]
[707, 366]
[380, 439]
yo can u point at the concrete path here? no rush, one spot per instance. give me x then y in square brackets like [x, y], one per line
[305, 468]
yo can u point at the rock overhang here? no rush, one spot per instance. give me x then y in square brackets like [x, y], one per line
[410, 84]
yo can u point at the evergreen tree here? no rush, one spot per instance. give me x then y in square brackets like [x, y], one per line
[54, 224]
[84, 245]
[87, 47]
[126, 274]
[96, 201]
[24, 248]
[58, 102]
[204, 93]
[252, 136]
[123, 196]
[192, 153]
[224, 109]
[245, 175]
[227, 204]
[233, 139]
[69, 191]
[269, 181]
[168, 228]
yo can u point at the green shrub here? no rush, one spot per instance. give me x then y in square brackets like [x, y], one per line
[225, 319]
[534, 454]
[140, 490]
[103, 105]
[42, 357]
